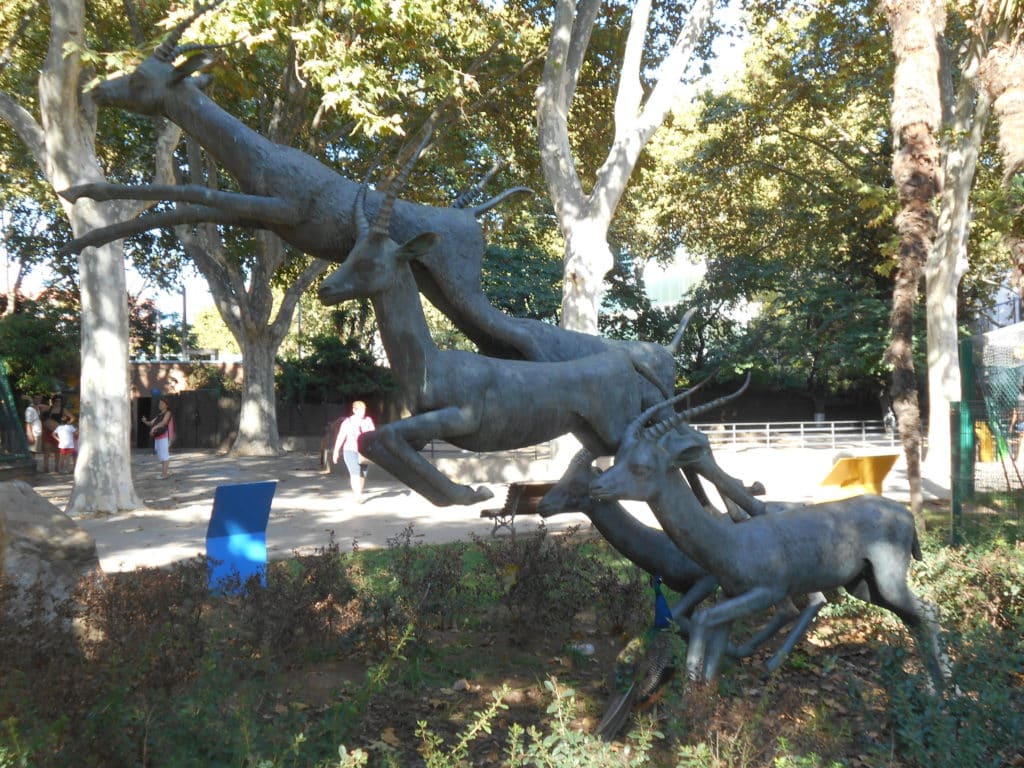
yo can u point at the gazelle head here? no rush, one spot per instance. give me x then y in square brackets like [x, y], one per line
[647, 454]
[144, 89]
[572, 491]
[376, 261]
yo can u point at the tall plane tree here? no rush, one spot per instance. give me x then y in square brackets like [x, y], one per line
[1002, 76]
[641, 106]
[56, 122]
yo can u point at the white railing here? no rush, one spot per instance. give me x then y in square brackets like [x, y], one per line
[772, 434]
[800, 434]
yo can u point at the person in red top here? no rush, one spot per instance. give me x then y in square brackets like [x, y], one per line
[346, 445]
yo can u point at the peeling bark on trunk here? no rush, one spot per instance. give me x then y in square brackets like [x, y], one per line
[584, 218]
[948, 263]
[917, 27]
[914, 169]
[67, 155]
[1002, 76]
[257, 421]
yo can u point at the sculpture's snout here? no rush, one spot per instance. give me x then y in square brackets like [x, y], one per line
[555, 502]
[601, 489]
[331, 290]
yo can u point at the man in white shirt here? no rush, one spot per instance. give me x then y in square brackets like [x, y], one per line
[34, 425]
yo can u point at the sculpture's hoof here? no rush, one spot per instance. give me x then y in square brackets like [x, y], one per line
[482, 494]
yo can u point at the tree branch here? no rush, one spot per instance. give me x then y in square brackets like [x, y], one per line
[582, 28]
[630, 93]
[25, 127]
[553, 94]
[294, 292]
[635, 130]
[664, 94]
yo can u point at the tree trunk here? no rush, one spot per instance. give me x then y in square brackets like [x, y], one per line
[916, 115]
[103, 479]
[947, 263]
[587, 260]
[1002, 75]
[640, 109]
[247, 310]
[257, 421]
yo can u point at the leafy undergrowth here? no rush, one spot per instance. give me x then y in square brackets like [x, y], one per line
[477, 654]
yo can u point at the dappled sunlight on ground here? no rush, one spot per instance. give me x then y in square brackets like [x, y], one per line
[310, 505]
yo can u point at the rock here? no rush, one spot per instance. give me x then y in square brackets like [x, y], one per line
[41, 546]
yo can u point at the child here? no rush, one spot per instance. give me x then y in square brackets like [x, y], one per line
[65, 434]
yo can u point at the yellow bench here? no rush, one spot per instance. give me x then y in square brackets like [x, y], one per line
[854, 475]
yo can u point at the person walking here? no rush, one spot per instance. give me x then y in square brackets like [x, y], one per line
[160, 428]
[346, 445]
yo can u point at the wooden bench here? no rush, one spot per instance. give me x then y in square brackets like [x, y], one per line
[522, 499]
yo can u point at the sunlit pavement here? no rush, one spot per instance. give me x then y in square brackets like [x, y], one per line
[310, 506]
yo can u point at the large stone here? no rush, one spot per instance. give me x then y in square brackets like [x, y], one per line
[40, 546]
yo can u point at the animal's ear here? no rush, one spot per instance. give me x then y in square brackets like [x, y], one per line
[684, 445]
[418, 246]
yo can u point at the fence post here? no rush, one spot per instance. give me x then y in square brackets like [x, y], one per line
[962, 469]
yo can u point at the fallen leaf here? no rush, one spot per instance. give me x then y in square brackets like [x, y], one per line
[389, 737]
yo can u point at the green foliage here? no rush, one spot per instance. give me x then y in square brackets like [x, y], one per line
[167, 673]
[40, 344]
[201, 376]
[332, 371]
[778, 184]
[523, 282]
[210, 332]
[565, 746]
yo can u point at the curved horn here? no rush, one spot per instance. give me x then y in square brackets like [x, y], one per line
[168, 49]
[475, 189]
[674, 346]
[705, 407]
[359, 214]
[666, 425]
[637, 424]
[484, 207]
[382, 222]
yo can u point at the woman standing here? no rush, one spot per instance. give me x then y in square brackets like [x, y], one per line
[347, 444]
[160, 431]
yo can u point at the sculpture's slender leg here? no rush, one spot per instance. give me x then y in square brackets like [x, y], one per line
[919, 615]
[816, 601]
[706, 620]
[704, 587]
[391, 447]
[718, 639]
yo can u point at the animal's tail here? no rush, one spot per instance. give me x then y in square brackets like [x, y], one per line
[618, 712]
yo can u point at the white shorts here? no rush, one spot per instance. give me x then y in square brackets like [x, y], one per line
[162, 446]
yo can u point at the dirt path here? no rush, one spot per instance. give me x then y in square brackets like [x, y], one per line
[309, 504]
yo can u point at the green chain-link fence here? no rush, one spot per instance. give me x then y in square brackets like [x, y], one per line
[988, 455]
